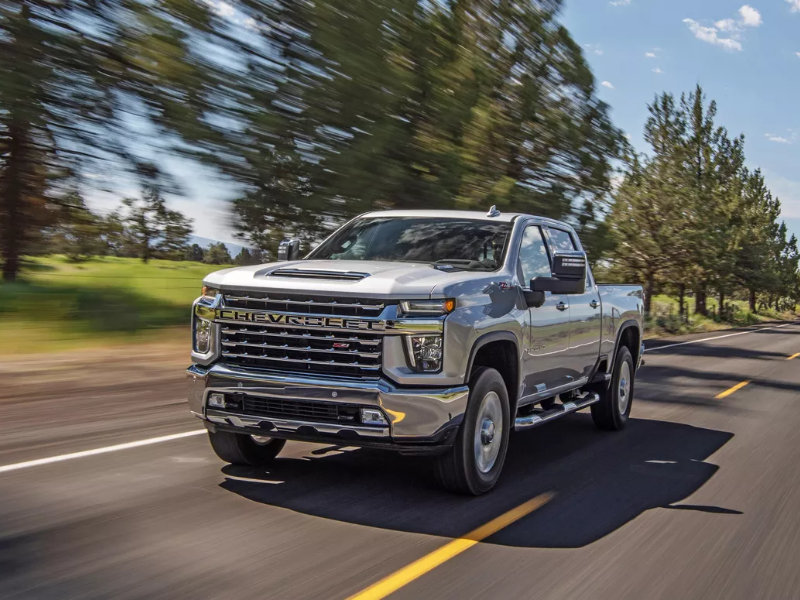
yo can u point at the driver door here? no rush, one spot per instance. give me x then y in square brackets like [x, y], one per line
[548, 342]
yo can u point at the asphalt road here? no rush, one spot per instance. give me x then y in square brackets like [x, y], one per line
[698, 498]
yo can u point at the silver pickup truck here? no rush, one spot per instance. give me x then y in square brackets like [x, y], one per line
[433, 332]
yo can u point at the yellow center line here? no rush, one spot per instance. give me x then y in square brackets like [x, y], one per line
[730, 390]
[793, 356]
[419, 567]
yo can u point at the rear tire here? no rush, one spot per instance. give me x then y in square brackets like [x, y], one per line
[243, 449]
[614, 408]
[474, 462]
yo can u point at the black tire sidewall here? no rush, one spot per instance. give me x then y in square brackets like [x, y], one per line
[623, 356]
[483, 382]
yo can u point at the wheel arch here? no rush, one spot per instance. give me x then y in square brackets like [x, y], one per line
[500, 351]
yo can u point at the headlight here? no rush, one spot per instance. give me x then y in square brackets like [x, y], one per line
[202, 336]
[209, 293]
[426, 308]
[425, 352]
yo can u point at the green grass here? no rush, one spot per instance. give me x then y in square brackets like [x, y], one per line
[664, 319]
[58, 304]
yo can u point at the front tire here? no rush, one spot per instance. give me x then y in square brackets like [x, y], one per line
[473, 464]
[243, 449]
[614, 408]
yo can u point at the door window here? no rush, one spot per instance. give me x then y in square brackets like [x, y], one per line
[561, 240]
[533, 255]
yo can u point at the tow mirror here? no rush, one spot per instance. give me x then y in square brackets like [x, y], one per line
[289, 249]
[569, 275]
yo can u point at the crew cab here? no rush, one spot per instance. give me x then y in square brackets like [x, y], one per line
[423, 332]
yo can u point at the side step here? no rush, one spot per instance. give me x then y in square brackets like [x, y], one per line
[537, 417]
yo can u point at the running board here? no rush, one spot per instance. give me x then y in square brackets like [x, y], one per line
[543, 416]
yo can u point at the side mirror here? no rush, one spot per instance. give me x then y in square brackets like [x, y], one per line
[569, 275]
[289, 249]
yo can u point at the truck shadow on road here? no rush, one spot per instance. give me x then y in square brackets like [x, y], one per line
[601, 481]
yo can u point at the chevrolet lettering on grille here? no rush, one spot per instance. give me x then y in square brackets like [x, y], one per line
[298, 320]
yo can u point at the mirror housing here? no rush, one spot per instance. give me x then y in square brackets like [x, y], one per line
[569, 275]
[289, 249]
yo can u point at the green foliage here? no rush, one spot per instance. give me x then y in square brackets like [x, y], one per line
[217, 254]
[74, 76]
[691, 216]
[358, 105]
[151, 229]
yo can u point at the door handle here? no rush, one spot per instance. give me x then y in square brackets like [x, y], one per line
[562, 306]
[594, 304]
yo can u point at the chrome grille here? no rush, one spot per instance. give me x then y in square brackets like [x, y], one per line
[295, 303]
[299, 348]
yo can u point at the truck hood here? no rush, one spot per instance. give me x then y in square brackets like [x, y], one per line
[346, 278]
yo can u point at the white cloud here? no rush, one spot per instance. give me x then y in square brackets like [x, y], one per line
[627, 2]
[594, 49]
[789, 137]
[650, 54]
[726, 25]
[778, 139]
[607, 84]
[794, 5]
[750, 16]
[711, 35]
[797, 54]
[727, 33]
[657, 71]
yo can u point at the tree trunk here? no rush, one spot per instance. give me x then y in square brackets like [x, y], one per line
[700, 301]
[752, 300]
[649, 287]
[721, 309]
[12, 227]
[681, 300]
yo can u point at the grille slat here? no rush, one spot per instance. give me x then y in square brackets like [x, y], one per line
[301, 361]
[287, 348]
[302, 336]
[302, 348]
[297, 304]
[303, 410]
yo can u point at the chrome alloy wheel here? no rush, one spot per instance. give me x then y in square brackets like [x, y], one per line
[488, 432]
[624, 392]
[261, 440]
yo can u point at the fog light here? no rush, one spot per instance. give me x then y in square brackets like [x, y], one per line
[216, 401]
[372, 416]
[202, 336]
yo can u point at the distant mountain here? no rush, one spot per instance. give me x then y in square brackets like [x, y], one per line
[203, 242]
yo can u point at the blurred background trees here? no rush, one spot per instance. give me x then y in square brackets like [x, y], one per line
[317, 111]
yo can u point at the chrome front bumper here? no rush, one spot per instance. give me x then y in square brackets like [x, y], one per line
[415, 415]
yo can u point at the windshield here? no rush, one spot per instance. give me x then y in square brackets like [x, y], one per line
[460, 243]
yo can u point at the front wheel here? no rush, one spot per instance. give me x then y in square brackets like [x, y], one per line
[614, 408]
[243, 449]
[473, 464]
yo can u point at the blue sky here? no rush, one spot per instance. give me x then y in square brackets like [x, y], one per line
[746, 57]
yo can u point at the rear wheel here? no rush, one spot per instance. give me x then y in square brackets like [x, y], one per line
[473, 464]
[614, 408]
[243, 449]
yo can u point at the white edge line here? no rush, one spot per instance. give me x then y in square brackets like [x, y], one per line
[716, 337]
[95, 451]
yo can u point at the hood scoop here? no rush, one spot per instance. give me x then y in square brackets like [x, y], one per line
[319, 274]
